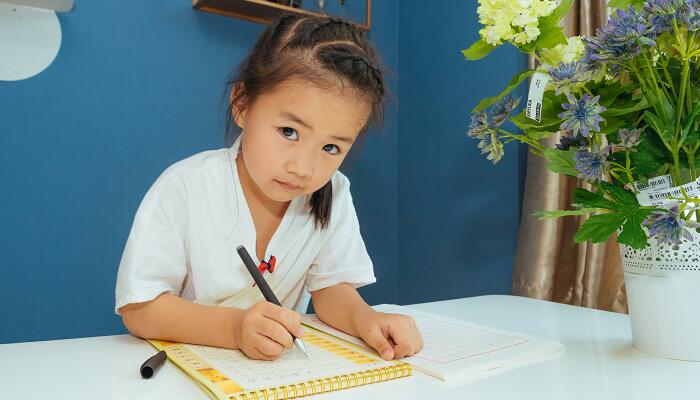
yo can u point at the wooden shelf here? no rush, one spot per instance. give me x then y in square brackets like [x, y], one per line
[262, 11]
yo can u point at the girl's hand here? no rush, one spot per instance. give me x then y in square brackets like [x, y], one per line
[262, 331]
[393, 335]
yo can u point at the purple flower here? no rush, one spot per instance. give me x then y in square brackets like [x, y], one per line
[628, 138]
[567, 75]
[667, 226]
[481, 128]
[568, 140]
[484, 126]
[591, 164]
[479, 125]
[662, 13]
[662, 7]
[688, 15]
[503, 109]
[582, 115]
[620, 39]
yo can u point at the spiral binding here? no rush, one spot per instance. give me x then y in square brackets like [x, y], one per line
[322, 385]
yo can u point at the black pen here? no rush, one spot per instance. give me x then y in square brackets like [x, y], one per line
[264, 288]
[151, 366]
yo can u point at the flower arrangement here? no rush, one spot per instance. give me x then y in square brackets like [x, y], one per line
[625, 103]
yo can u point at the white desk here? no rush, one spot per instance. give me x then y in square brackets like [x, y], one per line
[599, 363]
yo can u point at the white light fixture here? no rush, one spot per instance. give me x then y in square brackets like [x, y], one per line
[30, 36]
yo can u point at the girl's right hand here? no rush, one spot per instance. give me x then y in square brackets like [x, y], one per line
[262, 331]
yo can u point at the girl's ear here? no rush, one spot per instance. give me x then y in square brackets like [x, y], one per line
[237, 100]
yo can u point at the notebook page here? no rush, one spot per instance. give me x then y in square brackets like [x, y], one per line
[326, 359]
[458, 351]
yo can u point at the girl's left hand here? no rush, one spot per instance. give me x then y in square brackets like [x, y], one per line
[393, 336]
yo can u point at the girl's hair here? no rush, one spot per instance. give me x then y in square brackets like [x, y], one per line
[329, 52]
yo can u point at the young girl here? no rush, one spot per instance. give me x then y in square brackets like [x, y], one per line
[305, 93]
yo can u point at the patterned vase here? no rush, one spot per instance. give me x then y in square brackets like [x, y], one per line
[663, 294]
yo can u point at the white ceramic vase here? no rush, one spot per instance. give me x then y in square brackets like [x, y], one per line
[663, 294]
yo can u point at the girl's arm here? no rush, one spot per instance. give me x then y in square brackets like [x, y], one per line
[392, 335]
[172, 318]
[261, 332]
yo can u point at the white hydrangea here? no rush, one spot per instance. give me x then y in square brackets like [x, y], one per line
[512, 20]
[566, 53]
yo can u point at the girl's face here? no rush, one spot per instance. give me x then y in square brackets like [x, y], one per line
[296, 136]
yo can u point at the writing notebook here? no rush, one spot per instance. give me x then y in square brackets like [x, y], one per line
[459, 352]
[333, 364]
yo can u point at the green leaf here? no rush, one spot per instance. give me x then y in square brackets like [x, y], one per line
[624, 199]
[538, 135]
[651, 155]
[586, 199]
[560, 161]
[689, 122]
[562, 9]
[514, 82]
[551, 34]
[632, 233]
[624, 4]
[624, 210]
[551, 107]
[664, 133]
[563, 213]
[478, 50]
[626, 108]
[598, 228]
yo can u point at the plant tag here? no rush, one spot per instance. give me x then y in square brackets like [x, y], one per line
[653, 184]
[533, 110]
[668, 196]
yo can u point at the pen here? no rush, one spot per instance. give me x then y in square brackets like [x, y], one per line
[151, 366]
[264, 288]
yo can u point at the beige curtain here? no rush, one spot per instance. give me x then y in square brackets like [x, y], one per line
[549, 265]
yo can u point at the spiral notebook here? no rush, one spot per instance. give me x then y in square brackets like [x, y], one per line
[333, 364]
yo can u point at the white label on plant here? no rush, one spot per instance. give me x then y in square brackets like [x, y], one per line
[533, 109]
[660, 182]
[668, 196]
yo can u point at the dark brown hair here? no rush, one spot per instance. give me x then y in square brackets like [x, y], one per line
[329, 52]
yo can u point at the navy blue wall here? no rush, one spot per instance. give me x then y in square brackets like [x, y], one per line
[458, 215]
[137, 86]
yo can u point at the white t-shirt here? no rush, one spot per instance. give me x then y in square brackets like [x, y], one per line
[186, 230]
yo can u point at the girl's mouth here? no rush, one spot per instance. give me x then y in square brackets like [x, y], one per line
[288, 186]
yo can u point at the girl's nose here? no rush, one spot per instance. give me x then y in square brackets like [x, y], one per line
[300, 166]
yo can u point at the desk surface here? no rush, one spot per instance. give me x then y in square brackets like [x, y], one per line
[599, 363]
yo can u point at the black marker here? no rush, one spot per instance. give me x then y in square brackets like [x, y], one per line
[264, 288]
[151, 366]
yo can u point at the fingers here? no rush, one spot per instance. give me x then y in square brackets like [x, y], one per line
[406, 335]
[268, 348]
[274, 331]
[375, 338]
[289, 319]
[403, 343]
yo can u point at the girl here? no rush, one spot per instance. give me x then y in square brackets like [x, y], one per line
[305, 93]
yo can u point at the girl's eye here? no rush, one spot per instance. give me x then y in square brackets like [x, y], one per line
[331, 149]
[289, 133]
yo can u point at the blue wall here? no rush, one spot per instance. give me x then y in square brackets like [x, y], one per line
[137, 86]
[458, 214]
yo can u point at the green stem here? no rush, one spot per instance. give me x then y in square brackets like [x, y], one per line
[523, 139]
[664, 67]
[676, 170]
[627, 169]
[652, 70]
[691, 162]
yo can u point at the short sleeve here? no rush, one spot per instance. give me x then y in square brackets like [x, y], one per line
[343, 257]
[154, 259]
